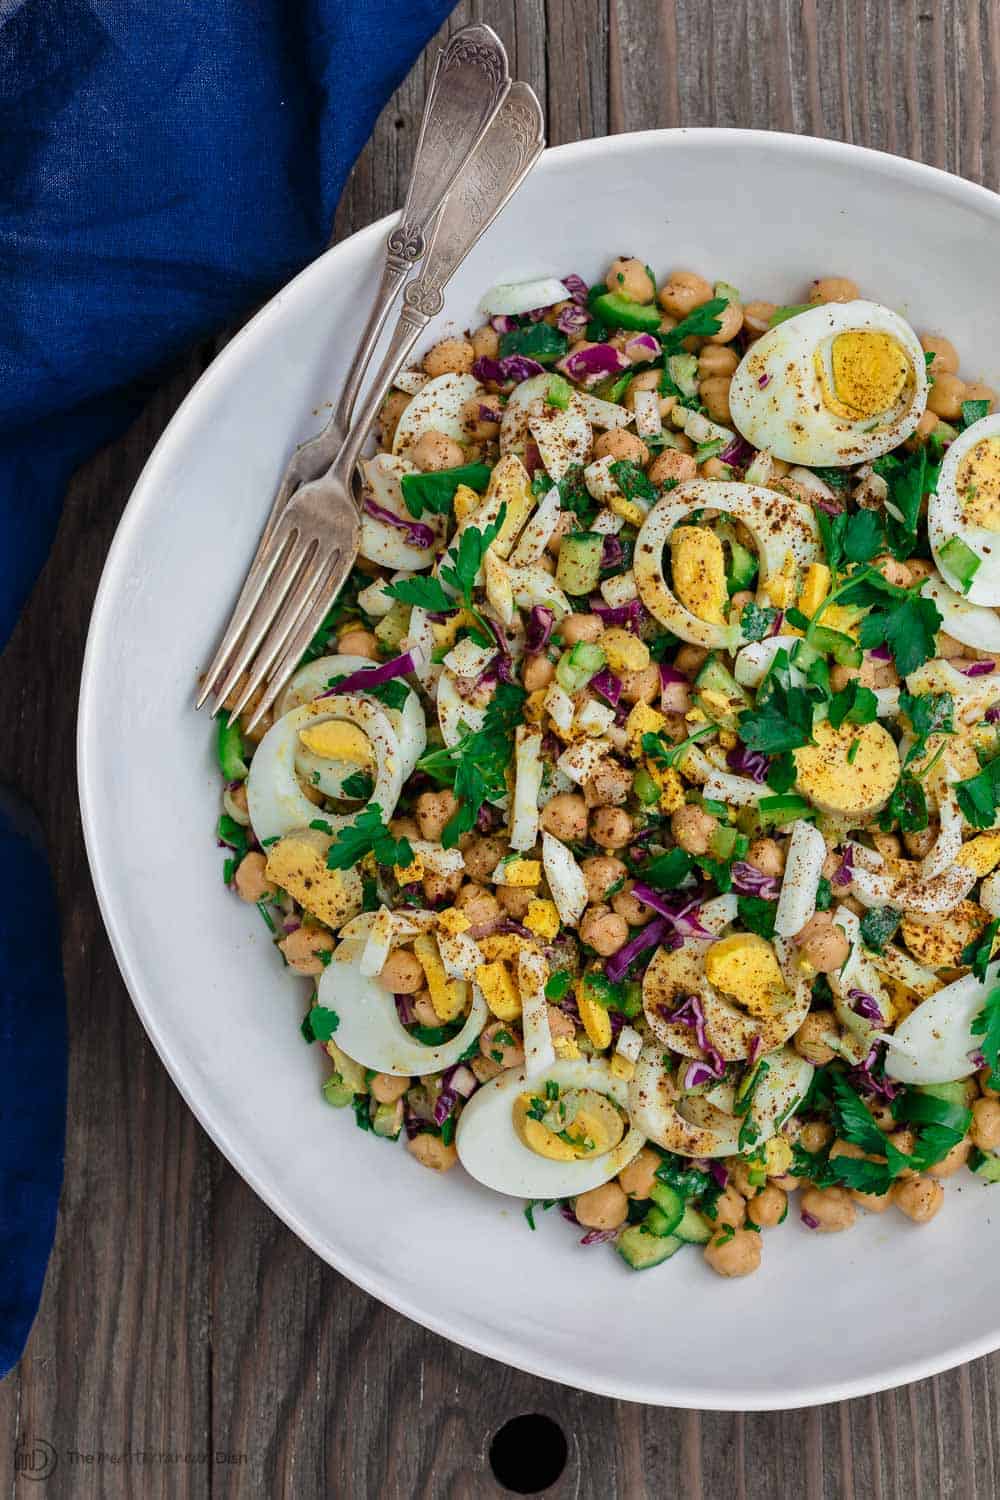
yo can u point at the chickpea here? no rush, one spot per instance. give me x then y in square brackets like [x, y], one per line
[478, 904]
[602, 1207]
[538, 673]
[809, 1041]
[739, 1176]
[439, 888]
[757, 317]
[919, 568]
[693, 827]
[423, 1009]
[403, 828]
[602, 930]
[502, 1045]
[617, 443]
[401, 974]
[690, 660]
[648, 380]
[919, 1199]
[716, 360]
[767, 856]
[735, 1255]
[815, 1134]
[631, 279]
[483, 428]
[561, 1026]
[565, 816]
[436, 450]
[356, 641]
[611, 827]
[450, 357]
[904, 1140]
[928, 421]
[433, 810]
[486, 342]
[642, 685]
[431, 1151]
[392, 409]
[920, 844]
[945, 397]
[485, 1068]
[576, 628]
[302, 949]
[672, 463]
[251, 882]
[979, 392]
[986, 1124]
[609, 786]
[682, 292]
[638, 1178]
[955, 1159]
[823, 944]
[730, 1207]
[768, 1207]
[630, 907]
[833, 289]
[730, 321]
[889, 845]
[386, 1088]
[482, 857]
[945, 361]
[872, 1203]
[600, 873]
[833, 1208]
[515, 900]
[714, 392]
[894, 571]
[983, 1079]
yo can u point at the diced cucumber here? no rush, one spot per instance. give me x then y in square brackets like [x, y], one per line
[986, 1165]
[683, 371]
[670, 1205]
[960, 561]
[576, 667]
[229, 747]
[742, 569]
[642, 1250]
[337, 1092]
[728, 843]
[391, 629]
[388, 1119]
[579, 567]
[694, 1228]
[951, 1093]
[719, 695]
[618, 312]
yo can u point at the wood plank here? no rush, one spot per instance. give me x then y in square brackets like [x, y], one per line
[178, 1313]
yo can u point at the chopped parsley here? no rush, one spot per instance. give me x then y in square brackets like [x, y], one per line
[698, 324]
[319, 1024]
[783, 716]
[974, 411]
[978, 795]
[987, 1026]
[476, 766]
[558, 984]
[878, 925]
[436, 491]
[854, 705]
[757, 621]
[357, 787]
[632, 481]
[366, 835]
[978, 953]
[461, 571]
[757, 915]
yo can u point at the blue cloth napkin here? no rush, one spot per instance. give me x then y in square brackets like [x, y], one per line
[163, 166]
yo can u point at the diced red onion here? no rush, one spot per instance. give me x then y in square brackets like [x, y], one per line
[977, 1059]
[487, 818]
[518, 367]
[738, 453]
[598, 1236]
[536, 314]
[879, 653]
[642, 346]
[532, 459]
[718, 1173]
[444, 1104]
[864, 1005]
[541, 623]
[417, 534]
[487, 369]
[404, 1009]
[864, 1078]
[608, 685]
[752, 763]
[808, 1219]
[369, 677]
[568, 1214]
[572, 320]
[503, 322]
[612, 553]
[750, 881]
[670, 675]
[461, 1078]
[843, 875]
[755, 1049]
[993, 714]
[576, 286]
[291, 924]
[764, 381]
[978, 669]
[630, 615]
[829, 504]
[594, 362]
[779, 621]
[489, 413]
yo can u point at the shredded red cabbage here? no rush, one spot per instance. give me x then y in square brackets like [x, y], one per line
[808, 1219]
[779, 621]
[829, 504]
[843, 874]
[487, 818]
[993, 714]
[503, 322]
[489, 413]
[593, 363]
[764, 381]
[738, 453]
[572, 320]
[417, 534]
[576, 286]
[690, 1013]
[978, 669]
[651, 936]
[867, 1078]
[879, 653]
[864, 1005]
[697, 1073]
[516, 367]
[630, 615]
[444, 1104]
[750, 881]
[612, 553]
[718, 1174]
[752, 763]
[608, 685]
[369, 677]
[598, 1236]
[642, 346]
[541, 623]
[682, 919]
[404, 1009]
[756, 1048]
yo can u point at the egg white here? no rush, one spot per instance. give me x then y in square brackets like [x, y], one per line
[945, 520]
[776, 398]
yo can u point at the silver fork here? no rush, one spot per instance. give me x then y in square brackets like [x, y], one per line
[469, 84]
[311, 548]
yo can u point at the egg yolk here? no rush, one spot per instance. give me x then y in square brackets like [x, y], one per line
[866, 375]
[978, 484]
[580, 1124]
[335, 739]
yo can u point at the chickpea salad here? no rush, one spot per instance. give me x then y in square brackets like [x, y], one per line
[635, 814]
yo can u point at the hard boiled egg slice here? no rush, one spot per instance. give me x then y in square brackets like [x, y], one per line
[504, 1146]
[972, 624]
[835, 385]
[381, 542]
[437, 407]
[935, 1044]
[782, 528]
[312, 680]
[963, 517]
[370, 1030]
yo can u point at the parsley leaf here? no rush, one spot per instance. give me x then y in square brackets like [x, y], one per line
[987, 1025]
[908, 628]
[864, 536]
[667, 871]
[978, 795]
[358, 786]
[757, 915]
[855, 705]
[878, 925]
[928, 713]
[475, 767]
[436, 491]
[698, 324]
[783, 716]
[320, 1023]
[757, 622]
[463, 567]
[632, 481]
[425, 593]
[979, 952]
[907, 806]
[974, 411]
[366, 835]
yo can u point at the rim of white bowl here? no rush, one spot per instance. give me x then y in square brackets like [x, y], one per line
[509, 1352]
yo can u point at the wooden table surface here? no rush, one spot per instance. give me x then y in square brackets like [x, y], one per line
[187, 1343]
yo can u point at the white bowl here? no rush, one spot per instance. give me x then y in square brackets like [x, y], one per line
[826, 1317]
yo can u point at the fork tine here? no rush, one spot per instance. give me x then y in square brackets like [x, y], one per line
[334, 578]
[308, 587]
[283, 580]
[269, 554]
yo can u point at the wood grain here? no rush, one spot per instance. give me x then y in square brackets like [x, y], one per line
[179, 1317]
